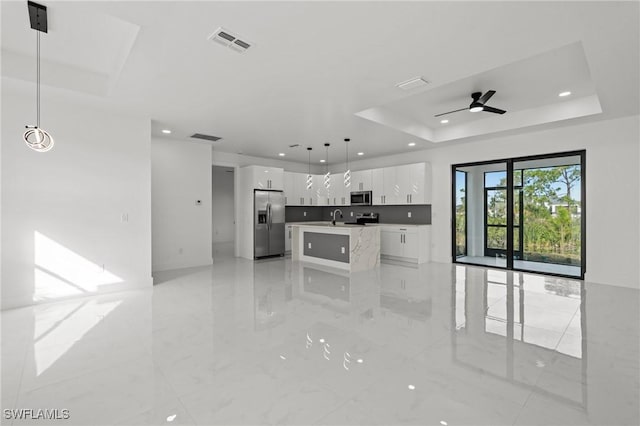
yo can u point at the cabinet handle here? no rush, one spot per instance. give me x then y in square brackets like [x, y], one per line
[407, 198]
[400, 238]
[310, 201]
[411, 198]
[286, 200]
[334, 201]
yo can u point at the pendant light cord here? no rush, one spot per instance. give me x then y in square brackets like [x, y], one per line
[346, 148]
[38, 82]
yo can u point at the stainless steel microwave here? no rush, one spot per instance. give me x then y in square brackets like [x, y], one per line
[361, 198]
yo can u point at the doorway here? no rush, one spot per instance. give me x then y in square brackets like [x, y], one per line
[523, 213]
[223, 212]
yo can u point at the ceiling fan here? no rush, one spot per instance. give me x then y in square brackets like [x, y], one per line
[478, 104]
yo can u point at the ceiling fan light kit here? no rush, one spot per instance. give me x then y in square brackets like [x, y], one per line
[478, 104]
[35, 137]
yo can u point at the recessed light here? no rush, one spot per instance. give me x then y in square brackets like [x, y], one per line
[322, 161]
[412, 144]
[360, 361]
[411, 387]
[361, 153]
[166, 131]
[282, 154]
[563, 94]
[444, 121]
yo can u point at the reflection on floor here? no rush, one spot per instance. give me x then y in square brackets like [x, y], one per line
[550, 268]
[279, 342]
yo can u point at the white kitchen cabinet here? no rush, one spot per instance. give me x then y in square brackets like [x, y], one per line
[338, 194]
[320, 194]
[410, 181]
[377, 186]
[287, 238]
[361, 180]
[409, 243]
[260, 177]
[407, 184]
[291, 197]
[384, 187]
[391, 242]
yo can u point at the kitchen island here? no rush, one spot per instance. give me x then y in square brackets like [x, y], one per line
[350, 247]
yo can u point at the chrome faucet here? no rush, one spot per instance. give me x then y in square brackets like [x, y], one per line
[333, 216]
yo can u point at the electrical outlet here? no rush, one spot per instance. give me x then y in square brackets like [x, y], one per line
[342, 249]
[309, 246]
[408, 214]
[124, 217]
[351, 214]
[305, 214]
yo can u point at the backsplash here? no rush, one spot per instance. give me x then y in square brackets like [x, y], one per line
[420, 213]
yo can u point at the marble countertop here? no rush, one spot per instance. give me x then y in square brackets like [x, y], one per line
[342, 225]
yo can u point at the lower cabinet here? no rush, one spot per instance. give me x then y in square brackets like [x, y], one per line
[410, 243]
[287, 238]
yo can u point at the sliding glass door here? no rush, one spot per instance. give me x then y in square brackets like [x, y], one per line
[552, 215]
[521, 213]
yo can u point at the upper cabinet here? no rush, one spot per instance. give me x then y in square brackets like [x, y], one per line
[261, 177]
[407, 184]
[361, 180]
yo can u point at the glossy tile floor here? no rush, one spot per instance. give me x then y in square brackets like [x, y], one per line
[276, 342]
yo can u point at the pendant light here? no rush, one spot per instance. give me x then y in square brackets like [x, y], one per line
[309, 177]
[347, 174]
[35, 137]
[327, 177]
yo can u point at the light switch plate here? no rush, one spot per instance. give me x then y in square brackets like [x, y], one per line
[305, 214]
[309, 246]
[342, 250]
[408, 214]
[351, 214]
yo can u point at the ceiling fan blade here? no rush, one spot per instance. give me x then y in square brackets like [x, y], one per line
[494, 110]
[484, 98]
[451, 112]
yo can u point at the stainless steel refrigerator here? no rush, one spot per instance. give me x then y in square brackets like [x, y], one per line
[268, 220]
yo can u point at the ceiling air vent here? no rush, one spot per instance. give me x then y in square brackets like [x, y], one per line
[230, 40]
[205, 137]
[413, 83]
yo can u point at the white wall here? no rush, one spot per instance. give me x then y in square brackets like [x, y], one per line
[63, 232]
[181, 229]
[223, 220]
[612, 184]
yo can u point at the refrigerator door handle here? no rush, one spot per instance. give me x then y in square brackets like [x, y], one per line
[269, 216]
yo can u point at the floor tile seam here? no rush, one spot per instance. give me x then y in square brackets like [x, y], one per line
[524, 405]
[173, 389]
[339, 406]
[85, 373]
[19, 387]
[567, 328]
